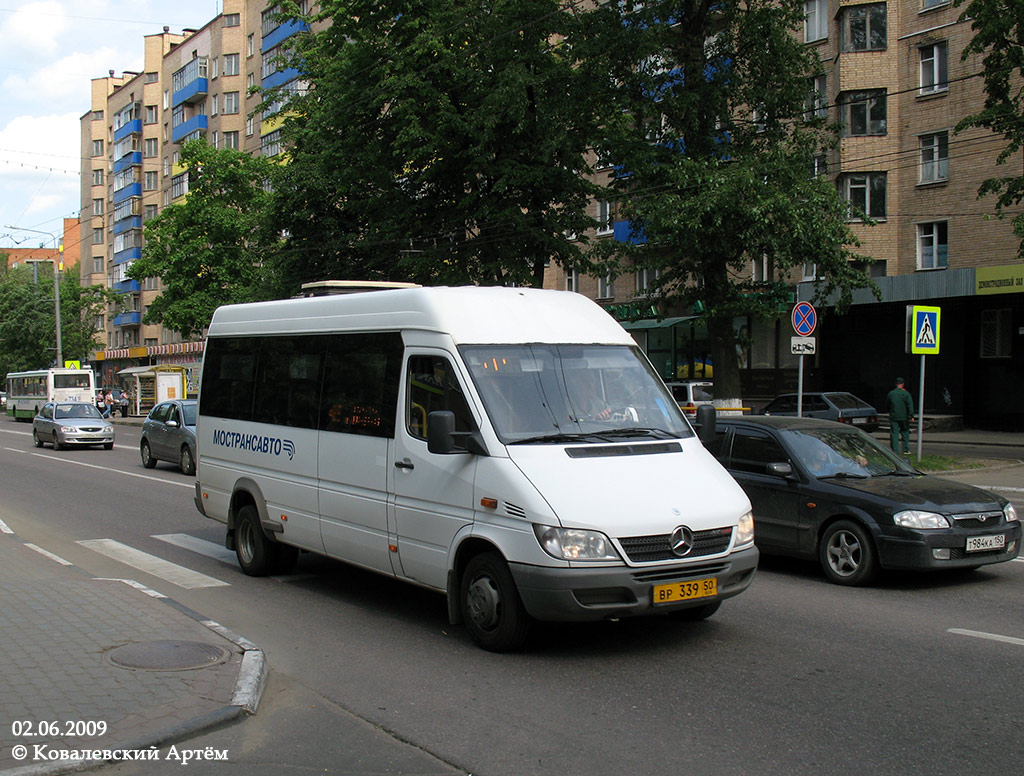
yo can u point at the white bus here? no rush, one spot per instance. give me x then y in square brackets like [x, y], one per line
[27, 392]
[510, 448]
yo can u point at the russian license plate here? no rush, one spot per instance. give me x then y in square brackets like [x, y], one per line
[685, 591]
[980, 543]
[860, 421]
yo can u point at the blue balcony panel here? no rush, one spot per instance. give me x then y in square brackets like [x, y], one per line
[131, 128]
[282, 33]
[200, 122]
[133, 159]
[127, 286]
[280, 78]
[128, 319]
[131, 222]
[131, 190]
[128, 254]
[191, 92]
[623, 232]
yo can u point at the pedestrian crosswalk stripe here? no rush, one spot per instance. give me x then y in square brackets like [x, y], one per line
[158, 567]
[200, 546]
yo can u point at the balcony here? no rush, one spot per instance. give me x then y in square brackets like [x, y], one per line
[279, 78]
[133, 127]
[128, 319]
[196, 123]
[189, 84]
[281, 33]
[128, 254]
[132, 159]
[128, 286]
[125, 224]
[131, 190]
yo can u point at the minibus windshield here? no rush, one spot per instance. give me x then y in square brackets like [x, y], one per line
[559, 393]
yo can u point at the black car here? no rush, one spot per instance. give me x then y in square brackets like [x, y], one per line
[828, 491]
[827, 405]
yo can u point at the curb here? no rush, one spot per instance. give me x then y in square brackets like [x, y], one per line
[249, 686]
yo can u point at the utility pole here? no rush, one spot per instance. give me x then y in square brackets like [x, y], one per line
[58, 265]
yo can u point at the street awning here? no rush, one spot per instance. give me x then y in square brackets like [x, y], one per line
[656, 323]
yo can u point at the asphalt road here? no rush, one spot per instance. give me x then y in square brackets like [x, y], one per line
[795, 676]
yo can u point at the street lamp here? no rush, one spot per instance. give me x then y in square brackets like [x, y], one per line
[57, 262]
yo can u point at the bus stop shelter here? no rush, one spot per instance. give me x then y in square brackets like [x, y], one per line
[151, 385]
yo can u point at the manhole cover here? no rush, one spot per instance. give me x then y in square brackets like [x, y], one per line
[167, 655]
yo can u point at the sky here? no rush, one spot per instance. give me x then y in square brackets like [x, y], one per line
[49, 52]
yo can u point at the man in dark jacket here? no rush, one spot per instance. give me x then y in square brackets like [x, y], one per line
[901, 411]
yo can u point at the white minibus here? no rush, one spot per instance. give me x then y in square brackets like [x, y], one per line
[510, 448]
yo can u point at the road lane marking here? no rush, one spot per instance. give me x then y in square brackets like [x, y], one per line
[15, 450]
[4, 528]
[201, 546]
[50, 555]
[1002, 487]
[107, 469]
[158, 567]
[988, 636]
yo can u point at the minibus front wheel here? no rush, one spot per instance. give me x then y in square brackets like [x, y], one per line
[491, 607]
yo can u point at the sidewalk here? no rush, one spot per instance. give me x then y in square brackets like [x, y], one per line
[97, 666]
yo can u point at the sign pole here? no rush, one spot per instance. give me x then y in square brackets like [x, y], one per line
[800, 389]
[920, 410]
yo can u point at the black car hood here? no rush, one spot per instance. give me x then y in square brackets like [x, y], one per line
[925, 492]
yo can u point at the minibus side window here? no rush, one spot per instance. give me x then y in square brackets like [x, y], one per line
[229, 372]
[363, 372]
[433, 385]
[288, 375]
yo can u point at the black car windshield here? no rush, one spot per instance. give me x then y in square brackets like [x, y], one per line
[541, 393]
[839, 452]
[63, 411]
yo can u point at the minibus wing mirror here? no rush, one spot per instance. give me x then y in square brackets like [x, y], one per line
[706, 423]
[442, 438]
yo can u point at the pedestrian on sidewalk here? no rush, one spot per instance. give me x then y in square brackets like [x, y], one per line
[900, 406]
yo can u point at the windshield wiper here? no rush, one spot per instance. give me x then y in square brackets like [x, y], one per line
[897, 473]
[659, 433]
[845, 476]
[556, 438]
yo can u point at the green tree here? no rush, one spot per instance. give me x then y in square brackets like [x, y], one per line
[209, 248]
[438, 142]
[999, 39]
[27, 331]
[717, 148]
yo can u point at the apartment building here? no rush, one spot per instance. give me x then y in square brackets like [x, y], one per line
[196, 84]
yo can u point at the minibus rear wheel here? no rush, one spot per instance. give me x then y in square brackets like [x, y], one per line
[257, 555]
[491, 607]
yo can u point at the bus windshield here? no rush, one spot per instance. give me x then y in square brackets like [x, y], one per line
[550, 393]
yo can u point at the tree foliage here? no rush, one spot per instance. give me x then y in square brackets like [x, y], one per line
[209, 248]
[438, 142]
[716, 153]
[27, 331]
[999, 39]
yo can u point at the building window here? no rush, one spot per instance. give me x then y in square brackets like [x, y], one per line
[606, 287]
[179, 185]
[809, 271]
[605, 217]
[270, 144]
[572, 280]
[230, 102]
[863, 113]
[815, 20]
[645, 280]
[934, 157]
[865, 192]
[97, 148]
[231, 140]
[97, 268]
[816, 104]
[932, 245]
[232, 20]
[250, 45]
[934, 77]
[231, 64]
[862, 28]
[97, 207]
[250, 126]
[151, 147]
[97, 177]
[149, 212]
[151, 181]
[151, 115]
[152, 77]
[97, 236]
[996, 333]
[214, 136]
[214, 104]
[97, 115]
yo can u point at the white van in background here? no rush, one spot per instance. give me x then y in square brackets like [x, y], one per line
[510, 448]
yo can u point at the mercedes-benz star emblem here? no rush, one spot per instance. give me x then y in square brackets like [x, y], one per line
[681, 541]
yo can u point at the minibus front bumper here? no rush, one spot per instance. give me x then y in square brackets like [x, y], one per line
[608, 593]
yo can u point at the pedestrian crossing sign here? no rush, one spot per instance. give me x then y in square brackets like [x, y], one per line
[923, 329]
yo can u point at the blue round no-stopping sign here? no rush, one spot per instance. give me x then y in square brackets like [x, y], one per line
[805, 319]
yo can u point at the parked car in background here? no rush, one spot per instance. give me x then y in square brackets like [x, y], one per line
[690, 394]
[827, 491]
[3, 399]
[68, 423]
[827, 405]
[169, 434]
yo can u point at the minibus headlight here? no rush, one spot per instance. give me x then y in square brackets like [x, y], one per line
[575, 543]
[745, 529]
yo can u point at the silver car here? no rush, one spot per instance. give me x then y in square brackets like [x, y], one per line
[169, 434]
[68, 423]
